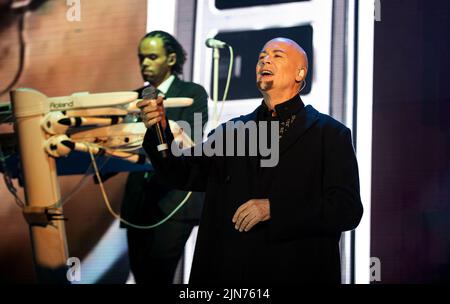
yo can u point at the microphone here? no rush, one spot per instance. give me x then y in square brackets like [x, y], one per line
[214, 43]
[151, 93]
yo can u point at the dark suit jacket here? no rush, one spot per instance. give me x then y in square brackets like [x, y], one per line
[147, 199]
[313, 194]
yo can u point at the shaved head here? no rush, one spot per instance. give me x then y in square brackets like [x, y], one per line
[302, 56]
[281, 70]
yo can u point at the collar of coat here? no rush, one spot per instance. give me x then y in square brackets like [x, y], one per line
[175, 88]
[283, 111]
[307, 116]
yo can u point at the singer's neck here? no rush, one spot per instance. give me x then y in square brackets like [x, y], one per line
[271, 99]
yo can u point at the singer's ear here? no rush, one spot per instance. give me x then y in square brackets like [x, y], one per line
[172, 59]
[300, 75]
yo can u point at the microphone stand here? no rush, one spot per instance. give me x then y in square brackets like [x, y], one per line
[216, 56]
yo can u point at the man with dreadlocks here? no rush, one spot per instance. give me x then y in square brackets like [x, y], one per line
[154, 253]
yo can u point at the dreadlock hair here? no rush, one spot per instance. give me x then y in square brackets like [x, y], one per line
[171, 45]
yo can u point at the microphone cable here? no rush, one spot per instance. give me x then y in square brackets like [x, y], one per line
[227, 86]
[116, 215]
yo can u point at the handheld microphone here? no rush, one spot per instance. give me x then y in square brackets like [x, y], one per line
[214, 43]
[151, 93]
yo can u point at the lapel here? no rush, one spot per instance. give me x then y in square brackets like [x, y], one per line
[306, 119]
[174, 89]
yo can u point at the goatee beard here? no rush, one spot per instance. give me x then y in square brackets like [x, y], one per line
[264, 85]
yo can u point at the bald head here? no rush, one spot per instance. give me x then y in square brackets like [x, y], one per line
[298, 52]
[281, 70]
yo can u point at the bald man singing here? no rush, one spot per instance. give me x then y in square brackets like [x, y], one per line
[277, 224]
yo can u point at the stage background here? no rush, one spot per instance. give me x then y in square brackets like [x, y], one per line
[411, 142]
[410, 208]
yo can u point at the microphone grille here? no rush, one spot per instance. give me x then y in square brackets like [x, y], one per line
[209, 41]
[149, 92]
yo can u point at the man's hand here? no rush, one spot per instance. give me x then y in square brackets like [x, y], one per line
[152, 112]
[251, 213]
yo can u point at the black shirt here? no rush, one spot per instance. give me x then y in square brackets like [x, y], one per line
[285, 112]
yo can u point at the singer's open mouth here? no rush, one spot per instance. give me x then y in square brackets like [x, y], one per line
[263, 74]
[266, 72]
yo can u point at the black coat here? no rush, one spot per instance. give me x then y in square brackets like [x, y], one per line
[146, 199]
[313, 194]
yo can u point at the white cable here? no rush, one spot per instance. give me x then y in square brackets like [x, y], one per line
[227, 86]
[81, 183]
[117, 216]
[128, 149]
[303, 86]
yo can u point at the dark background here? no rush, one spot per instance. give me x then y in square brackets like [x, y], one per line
[411, 142]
